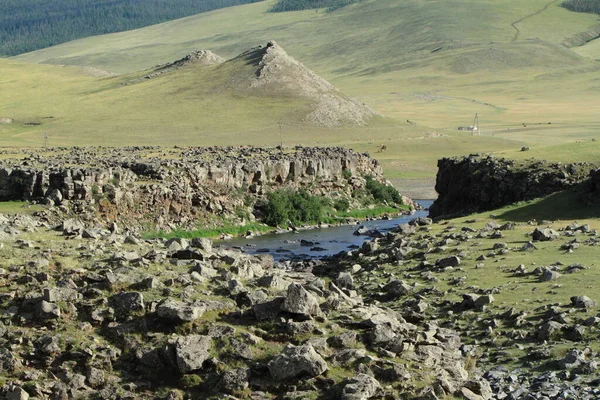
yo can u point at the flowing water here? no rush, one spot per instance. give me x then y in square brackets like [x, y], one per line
[316, 243]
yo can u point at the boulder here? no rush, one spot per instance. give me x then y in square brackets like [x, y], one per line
[544, 235]
[296, 362]
[360, 387]
[268, 310]
[298, 300]
[179, 312]
[191, 351]
[549, 330]
[582, 302]
[127, 303]
[549, 275]
[235, 380]
[61, 294]
[16, 393]
[452, 261]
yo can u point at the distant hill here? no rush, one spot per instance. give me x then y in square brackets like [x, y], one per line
[27, 25]
[528, 68]
[198, 99]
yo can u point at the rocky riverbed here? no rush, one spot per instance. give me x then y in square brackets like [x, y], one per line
[426, 311]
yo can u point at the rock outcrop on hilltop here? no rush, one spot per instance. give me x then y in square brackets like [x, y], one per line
[279, 74]
[198, 57]
[178, 185]
[475, 183]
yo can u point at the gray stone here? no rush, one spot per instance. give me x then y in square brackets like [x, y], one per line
[268, 310]
[96, 377]
[480, 387]
[529, 246]
[275, 282]
[549, 329]
[361, 387]
[61, 294]
[127, 302]
[295, 362]
[298, 300]
[544, 235]
[16, 393]
[452, 261]
[344, 280]
[582, 302]
[203, 244]
[72, 227]
[191, 351]
[397, 288]
[549, 275]
[180, 312]
[235, 379]
[48, 310]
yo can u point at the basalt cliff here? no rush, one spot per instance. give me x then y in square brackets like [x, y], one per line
[175, 185]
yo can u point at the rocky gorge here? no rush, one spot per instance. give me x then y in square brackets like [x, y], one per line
[167, 187]
[470, 308]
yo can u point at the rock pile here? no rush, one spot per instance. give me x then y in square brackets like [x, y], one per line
[114, 316]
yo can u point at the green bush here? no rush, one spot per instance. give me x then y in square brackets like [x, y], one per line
[341, 205]
[286, 207]
[190, 381]
[383, 193]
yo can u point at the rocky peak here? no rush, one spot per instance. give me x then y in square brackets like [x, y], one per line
[277, 73]
[198, 57]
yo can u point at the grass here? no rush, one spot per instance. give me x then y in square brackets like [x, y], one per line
[431, 65]
[369, 213]
[565, 205]
[524, 293]
[18, 207]
[212, 232]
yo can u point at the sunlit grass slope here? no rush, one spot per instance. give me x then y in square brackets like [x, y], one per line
[433, 63]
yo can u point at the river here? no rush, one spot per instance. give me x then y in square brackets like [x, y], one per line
[318, 242]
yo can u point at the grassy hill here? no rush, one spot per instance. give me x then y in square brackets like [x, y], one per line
[434, 63]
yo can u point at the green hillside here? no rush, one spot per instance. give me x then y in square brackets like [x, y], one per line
[433, 63]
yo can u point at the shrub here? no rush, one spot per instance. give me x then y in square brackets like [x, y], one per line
[287, 207]
[190, 381]
[382, 192]
[341, 204]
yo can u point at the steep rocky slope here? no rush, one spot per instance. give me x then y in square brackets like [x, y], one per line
[475, 183]
[160, 186]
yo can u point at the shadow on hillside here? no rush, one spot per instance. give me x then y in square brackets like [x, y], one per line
[566, 205]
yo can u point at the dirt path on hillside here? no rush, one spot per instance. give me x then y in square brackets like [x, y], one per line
[514, 24]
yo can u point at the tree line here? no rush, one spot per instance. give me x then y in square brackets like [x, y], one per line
[587, 6]
[28, 25]
[296, 5]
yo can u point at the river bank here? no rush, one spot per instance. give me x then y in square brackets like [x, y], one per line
[320, 241]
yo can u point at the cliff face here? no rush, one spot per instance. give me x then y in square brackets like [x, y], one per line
[473, 184]
[176, 185]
